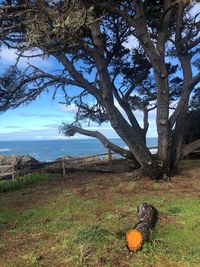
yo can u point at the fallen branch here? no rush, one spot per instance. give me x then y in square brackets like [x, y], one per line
[147, 218]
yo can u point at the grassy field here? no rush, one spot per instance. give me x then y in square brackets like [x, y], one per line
[81, 221]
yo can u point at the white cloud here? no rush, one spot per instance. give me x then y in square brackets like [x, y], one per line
[9, 56]
[72, 108]
[131, 43]
[195, 9]
[37, 115]
[39, 137]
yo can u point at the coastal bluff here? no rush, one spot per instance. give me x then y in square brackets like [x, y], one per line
[21, 163]
[24, 160]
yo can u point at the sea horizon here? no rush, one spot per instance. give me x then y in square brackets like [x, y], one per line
[48, 150]
[63, 139]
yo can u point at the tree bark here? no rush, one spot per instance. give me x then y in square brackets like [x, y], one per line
[177, 142]
[156, 57]
[187, 149]
[179, 115]
[147, 218]
[129, 134]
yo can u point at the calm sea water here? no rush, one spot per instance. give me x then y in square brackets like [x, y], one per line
[51, 149]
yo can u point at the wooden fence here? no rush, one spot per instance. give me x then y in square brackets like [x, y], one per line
[66, 161]
[62, 164]
[11, 172]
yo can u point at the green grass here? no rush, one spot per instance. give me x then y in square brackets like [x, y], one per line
[59, 225]
[8, 185]
[93, 233]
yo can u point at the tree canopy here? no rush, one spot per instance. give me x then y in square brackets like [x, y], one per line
[160, 70]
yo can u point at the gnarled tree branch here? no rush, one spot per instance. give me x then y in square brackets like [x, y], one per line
[187, 149]
[184, 98]
[72, 129]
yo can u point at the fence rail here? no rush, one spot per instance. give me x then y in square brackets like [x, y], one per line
[62, 164]
[12, 171]
[65, 160]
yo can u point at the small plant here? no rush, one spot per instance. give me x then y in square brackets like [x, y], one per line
[8, 185]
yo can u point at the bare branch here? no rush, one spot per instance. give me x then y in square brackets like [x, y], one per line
[72, 129]
[193, 43]
[164, 27]
[187, 89]
[126, 107]
[77, 76]
[187, 149]
[144, 36]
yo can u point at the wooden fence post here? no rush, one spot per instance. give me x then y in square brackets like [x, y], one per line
[109, 157]
[13, 171]
[63, 166]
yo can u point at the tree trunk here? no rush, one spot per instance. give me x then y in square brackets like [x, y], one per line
[147, 218]
[129, 134]
[162, 116]
[177, 142]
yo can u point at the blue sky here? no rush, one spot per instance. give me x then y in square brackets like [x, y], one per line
[41, 119]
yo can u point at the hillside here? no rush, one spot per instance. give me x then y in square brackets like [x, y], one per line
[81, 221]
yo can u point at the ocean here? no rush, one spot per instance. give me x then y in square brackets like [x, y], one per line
[48, 150]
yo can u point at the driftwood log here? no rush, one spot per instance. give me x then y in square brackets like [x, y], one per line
[147, 218]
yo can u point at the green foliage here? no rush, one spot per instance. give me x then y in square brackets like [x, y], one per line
[192, 131]
[8, 185]
[8, 94]
[93, 233]
[195, 101]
